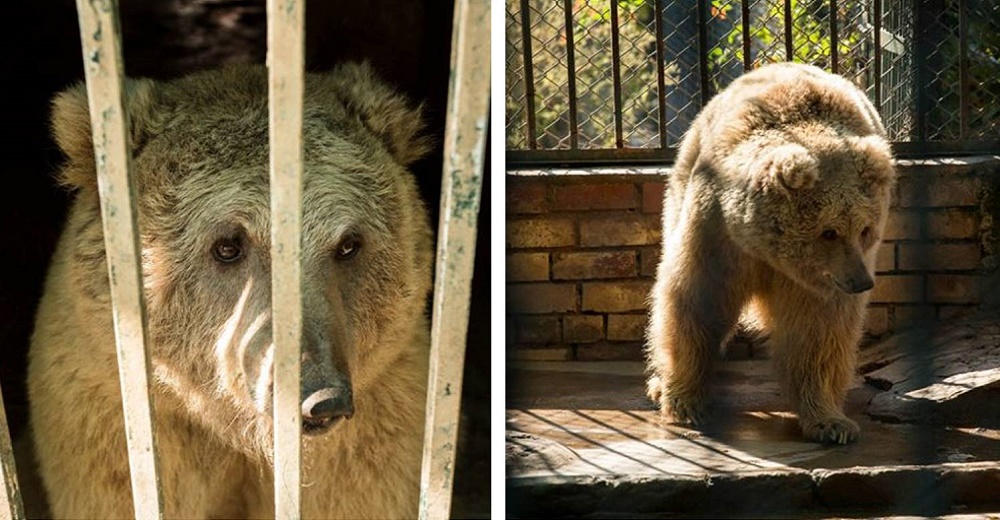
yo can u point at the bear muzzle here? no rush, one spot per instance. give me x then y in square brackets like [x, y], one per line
[323, 408]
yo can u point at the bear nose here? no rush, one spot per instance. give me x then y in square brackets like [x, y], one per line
[325, 407]
[860, 286]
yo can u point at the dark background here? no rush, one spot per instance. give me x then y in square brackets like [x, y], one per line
[407, 42]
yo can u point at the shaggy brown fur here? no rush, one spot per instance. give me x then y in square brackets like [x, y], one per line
[201, 161]
[773, 214]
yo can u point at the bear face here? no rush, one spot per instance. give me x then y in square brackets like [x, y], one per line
[200, 149]
[813, 210]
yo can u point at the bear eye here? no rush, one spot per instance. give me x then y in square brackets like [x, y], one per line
[348, 247]
[227, 250]
[829, 234]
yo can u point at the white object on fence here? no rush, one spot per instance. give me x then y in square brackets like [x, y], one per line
[461, 183]
[102, 60]
[285, 63]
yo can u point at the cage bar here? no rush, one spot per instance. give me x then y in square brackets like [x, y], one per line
[616, 74]
[100, 35]
[464, 150]
[529, 74]
[963, 68]
[745, 19]
[661, 61]
[706, 88]
[285, 65]
[789, 44]
[574, 130]
[10, 500]
[877, 59]
[834, 51]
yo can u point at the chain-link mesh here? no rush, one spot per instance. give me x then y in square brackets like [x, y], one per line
[906, 57]
[984, 68]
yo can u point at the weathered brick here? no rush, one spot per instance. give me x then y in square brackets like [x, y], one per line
[910, 316]
[620, 230]
[619, 351]
[652, 197]
[583, 328]
[541, 298]
[902, 225]
[527, 267]
[584, 265]
[615, 297]
[953, 288]
[877, 321]
[953, 223]
[937, 257]
[540, 354]
[895, 288]
[539, 330]
[594, 196]
[649, 258]
[950, 312]
[626, 327]
[540, 233]
[886, 258]
[526, 198]
[939, 192]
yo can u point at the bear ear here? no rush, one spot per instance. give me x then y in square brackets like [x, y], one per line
[788, 167]
[873, 159]
[386, 113]
[72, 131]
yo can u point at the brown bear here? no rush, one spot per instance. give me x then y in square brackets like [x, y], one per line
[200, 148]
[772, 218]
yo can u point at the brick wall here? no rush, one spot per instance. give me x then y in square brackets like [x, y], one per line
[582, 248]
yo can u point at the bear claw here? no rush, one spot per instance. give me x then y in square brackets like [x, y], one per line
[832, 430]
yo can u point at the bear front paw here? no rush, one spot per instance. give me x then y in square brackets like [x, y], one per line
[833, 430]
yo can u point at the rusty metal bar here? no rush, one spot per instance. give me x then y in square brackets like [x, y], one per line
[529, 75]
[963, 68]
[464, 150]
[789, 49]
[877, 19]
[102, 58]
[10, 499]
[706, 89]
[616, 74]
[285, 60]
[834, 52]
[661, 61]
[574, 132]
[745, 18]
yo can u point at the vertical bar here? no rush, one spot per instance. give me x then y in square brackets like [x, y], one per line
[919, 65]
[877, 16]
[789, 50]
[464, 150]
[285, 61]
[661, 60]
[963, 67]
[834, 51]
[10, 499]
[616, 73]
[745, 16]
[101, 42]
[574, 132]
[706, 88]
[529, 75]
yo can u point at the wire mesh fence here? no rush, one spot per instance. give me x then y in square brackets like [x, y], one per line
[612, 80]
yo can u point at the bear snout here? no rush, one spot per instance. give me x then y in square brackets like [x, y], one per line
[326, 407]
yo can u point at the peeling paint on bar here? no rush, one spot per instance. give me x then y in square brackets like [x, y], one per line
[10, 500]
[285, 61]
[465, 139]
[100, 35]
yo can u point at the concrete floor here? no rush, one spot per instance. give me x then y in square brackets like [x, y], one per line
[583, 440]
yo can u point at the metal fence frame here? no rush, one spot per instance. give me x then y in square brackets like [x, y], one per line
[464, 151]
[883, 41]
